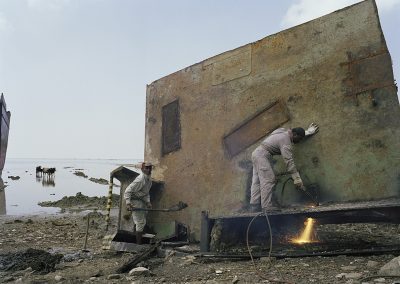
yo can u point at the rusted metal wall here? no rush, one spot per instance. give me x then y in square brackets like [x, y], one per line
[335, 71]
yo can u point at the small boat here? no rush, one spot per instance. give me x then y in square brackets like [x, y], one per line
[4, 129]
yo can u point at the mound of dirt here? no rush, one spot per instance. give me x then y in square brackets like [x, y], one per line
[99, 180]
[80, 174]
[14, 177]
[39, 260]
[81, 200]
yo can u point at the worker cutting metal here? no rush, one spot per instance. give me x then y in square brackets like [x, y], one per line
[137, 196]
[279, 142]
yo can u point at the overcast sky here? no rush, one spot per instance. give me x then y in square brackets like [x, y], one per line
[74, 72]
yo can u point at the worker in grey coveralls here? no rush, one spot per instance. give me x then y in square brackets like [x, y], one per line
[279, 142]
[137, 196]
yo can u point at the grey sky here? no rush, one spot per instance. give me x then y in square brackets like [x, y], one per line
[74, 72]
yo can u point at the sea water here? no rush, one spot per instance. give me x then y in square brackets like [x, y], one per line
[21, 196]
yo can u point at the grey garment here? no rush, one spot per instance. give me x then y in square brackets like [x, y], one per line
[139, 189]
[263, 182]
[279, 143]
[138, 195]
[139, 219]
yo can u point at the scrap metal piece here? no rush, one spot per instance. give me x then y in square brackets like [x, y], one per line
[256, 127]
[205, 232]
[138, 258]
[126, 241]
[180, 206]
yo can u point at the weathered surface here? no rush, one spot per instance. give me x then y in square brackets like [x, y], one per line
[335, 71]
[391, 268]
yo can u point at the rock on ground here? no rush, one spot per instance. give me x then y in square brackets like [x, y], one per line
[139, 271]
[391, 268]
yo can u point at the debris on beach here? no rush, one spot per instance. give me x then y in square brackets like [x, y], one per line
[14, 177]
[82, 201]
[39, 260]
[80, 174]
[99, 180]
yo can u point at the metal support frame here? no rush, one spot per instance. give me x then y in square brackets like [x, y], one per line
[383, 211]
[205, 232]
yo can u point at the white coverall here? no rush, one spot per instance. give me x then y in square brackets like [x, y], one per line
[137, 194]
[263, 182]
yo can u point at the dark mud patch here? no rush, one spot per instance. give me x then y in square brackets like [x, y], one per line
[80, 174]
[14, 177]
[99, 180]
[82, 201]
[39, 260]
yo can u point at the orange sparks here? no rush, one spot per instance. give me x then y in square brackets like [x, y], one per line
[307, 235]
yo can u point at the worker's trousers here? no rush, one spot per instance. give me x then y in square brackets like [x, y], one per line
[139, 217]
[263, 181]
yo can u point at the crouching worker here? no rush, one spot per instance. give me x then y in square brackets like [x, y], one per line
[137, 196]
[279, 142]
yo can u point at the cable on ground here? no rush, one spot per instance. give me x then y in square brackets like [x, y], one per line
[270, 249]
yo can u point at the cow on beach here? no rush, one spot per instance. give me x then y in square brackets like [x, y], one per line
[39, 171]
[45, 172]
[49, 172]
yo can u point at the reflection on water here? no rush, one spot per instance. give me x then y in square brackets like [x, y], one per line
[3, 210]
[24, 194]
[46, 180]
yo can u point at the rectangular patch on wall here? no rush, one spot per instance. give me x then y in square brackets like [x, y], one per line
[368, 73]
[171, 128]
[256, 127]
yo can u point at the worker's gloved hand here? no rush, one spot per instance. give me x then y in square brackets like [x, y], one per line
[297, 180]
[129, 207]
[312, 129]
[148, 205]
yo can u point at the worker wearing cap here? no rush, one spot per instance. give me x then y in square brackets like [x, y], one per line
[279, 142]
[137, 196]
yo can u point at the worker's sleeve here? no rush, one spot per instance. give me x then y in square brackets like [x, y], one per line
[131, 191]
[287, 155]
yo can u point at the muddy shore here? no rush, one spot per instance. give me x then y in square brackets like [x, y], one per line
[51, 249]
[81, 202]
[62, 236]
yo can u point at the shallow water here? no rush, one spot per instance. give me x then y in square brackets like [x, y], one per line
[21, 197]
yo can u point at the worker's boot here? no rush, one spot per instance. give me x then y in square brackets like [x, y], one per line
[255, 208]
[139, 237]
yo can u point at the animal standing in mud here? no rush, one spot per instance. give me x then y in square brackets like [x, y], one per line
[45, 172]
[39, 171]
[48, 177]
[49, 172]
